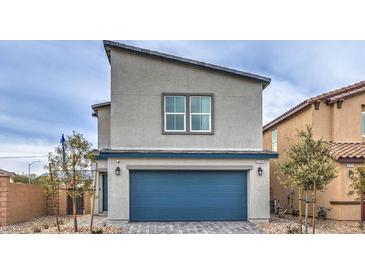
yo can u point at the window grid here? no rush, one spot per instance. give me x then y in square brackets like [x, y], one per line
[174, 113]
[201, 114]
[188, 114]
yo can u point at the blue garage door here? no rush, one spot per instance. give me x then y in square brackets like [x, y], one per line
[188, 195]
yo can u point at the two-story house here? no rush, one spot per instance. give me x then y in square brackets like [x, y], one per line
[180, 140]
[339, 118]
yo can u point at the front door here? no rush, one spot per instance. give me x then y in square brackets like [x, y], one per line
[105, 192]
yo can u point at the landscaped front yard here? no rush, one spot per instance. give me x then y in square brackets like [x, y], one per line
[283, 225]
[288, 222]
[47, 225]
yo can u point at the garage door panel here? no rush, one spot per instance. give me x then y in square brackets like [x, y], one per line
[188, 195]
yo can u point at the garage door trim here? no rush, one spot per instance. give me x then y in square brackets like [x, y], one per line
[189, 167]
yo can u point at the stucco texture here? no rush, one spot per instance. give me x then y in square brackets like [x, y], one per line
[258, 186]
[136, 89]
[332, 124]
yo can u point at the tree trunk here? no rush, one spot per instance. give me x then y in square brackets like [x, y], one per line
[300, 212]
[74, 212]
[75, 194]
[306, 211]
[55, 209]
[54, 189]
[314, 202]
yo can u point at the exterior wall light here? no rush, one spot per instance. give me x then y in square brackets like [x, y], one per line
[351, 173]
[259, 171]
[117, 171]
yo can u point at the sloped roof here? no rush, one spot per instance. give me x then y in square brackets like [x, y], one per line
[328, 97]
[99, 105]
[343, 150]
[111, 44]
[4, 172]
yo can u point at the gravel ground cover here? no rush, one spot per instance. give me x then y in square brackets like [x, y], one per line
[47, 225]
[281, 226]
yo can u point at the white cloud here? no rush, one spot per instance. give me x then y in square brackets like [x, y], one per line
[279, 97]
[20, 148]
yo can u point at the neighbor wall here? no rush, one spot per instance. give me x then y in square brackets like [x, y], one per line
[20, 202]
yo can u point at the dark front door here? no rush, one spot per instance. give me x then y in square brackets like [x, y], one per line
[79, 205]
[188, 195]
[105, 192]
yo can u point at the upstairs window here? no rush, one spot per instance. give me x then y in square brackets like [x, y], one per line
[187, 114]
[363, 123]
[200, 113]
[175, 113]
[274, 139]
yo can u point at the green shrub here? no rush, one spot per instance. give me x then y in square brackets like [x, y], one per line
[36, 229]
[97, 231]
[292, 230]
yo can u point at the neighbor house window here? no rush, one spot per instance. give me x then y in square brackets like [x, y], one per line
[363, 123]
[190, 113]
[175, 113]
[274, 140]
[200, 113]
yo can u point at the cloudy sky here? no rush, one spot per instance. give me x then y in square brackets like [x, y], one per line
[47, 87]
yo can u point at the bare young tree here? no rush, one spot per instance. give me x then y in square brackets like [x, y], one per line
[72, 168]
[308, 166]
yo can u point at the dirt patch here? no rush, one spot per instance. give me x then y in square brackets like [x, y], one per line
[47, 225]
[288, 223]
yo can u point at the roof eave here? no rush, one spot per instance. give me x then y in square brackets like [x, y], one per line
[286, 115]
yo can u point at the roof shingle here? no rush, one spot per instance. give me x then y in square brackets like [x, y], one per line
[342, 150]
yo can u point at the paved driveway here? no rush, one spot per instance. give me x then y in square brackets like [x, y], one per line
[181, 227]
[190, 228]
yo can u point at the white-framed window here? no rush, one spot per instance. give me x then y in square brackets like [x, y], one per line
[274, 139]
[200, 113]
[363, 124]
[174, 113]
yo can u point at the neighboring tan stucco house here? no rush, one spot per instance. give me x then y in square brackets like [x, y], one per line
[180, 140]
[339, 118]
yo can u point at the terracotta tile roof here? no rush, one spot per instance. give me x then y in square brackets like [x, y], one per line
[347, 150]
[328, 97]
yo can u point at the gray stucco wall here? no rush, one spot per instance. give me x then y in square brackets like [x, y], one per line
[258, 186]
[137, 83]
[104, 127]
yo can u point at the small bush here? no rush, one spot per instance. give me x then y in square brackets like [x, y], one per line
[36, 229]
[45, 226]
[361, 226]
[292, 230]
[61, 222]
[97, 231]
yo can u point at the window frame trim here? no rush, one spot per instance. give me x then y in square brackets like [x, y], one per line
[165, 113]
[187, 108]
[201, 114]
